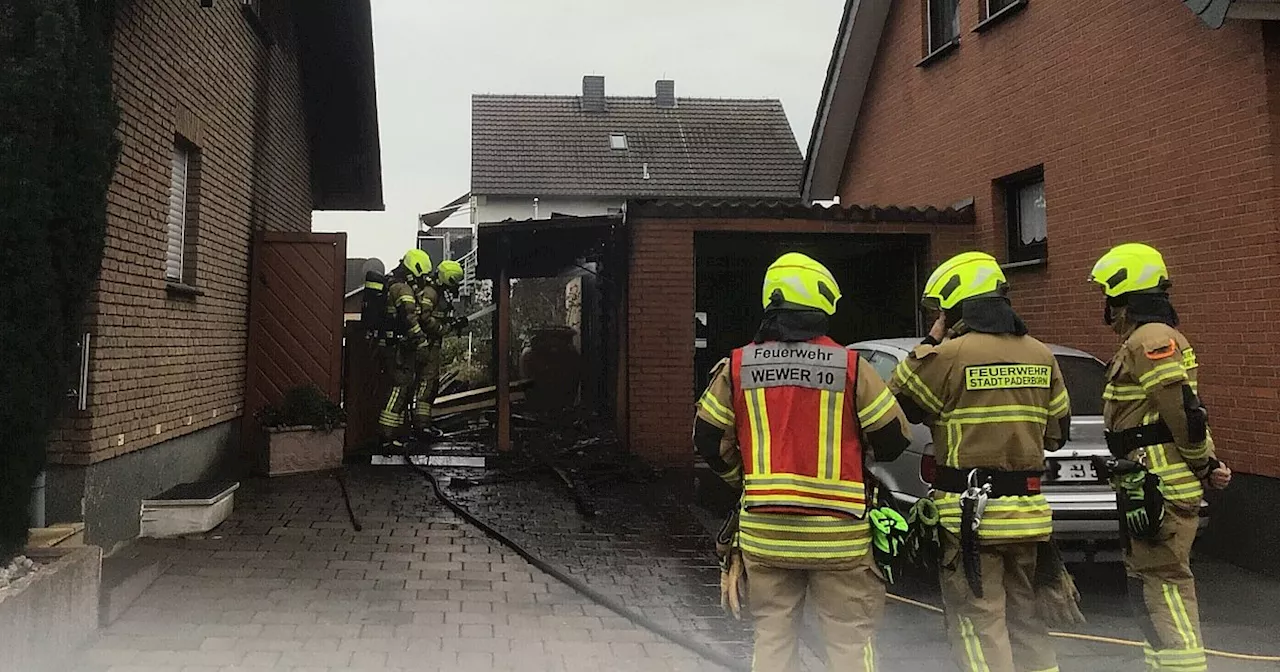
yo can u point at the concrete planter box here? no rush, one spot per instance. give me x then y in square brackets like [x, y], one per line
[187, 508]
[48, 616]
[296, 450]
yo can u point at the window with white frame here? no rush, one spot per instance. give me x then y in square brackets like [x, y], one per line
[944, 23]
[181, 231]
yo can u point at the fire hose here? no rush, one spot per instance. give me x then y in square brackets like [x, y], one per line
[685, 641]
[577, 585]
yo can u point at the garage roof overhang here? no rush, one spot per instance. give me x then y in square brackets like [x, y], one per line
[841, 101]
[957, 214]
[540, 248]
[340, 98]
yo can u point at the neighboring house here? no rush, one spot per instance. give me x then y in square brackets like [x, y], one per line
[681, 204]
[448, 233]
[533, 157]
[1073, 127]
[238, 120]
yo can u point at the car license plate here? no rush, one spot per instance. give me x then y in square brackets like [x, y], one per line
[1076, 470]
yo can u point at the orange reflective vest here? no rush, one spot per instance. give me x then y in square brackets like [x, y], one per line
[801, 451]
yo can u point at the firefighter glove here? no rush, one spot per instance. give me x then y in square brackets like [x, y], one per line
[733, 583]
[1057, 598]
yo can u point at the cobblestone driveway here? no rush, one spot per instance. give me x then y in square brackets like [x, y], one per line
[286, 584]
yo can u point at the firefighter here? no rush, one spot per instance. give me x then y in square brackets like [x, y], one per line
[786, 419]
[435, 302]
[995, 400]
[401, 303]
[1157, 431]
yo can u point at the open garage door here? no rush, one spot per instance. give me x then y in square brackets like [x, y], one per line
[879, 276]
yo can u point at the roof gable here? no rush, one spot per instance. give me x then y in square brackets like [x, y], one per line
[841, 102]
[549, 146]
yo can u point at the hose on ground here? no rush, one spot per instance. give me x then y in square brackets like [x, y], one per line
[581, 588]
[346, 499]
[1099, 638]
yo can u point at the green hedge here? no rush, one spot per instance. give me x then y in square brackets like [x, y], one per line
[57, 153]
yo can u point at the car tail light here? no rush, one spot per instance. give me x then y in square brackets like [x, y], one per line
[928, 468]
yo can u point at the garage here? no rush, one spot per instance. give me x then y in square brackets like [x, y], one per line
[879, 276]
[693, 283]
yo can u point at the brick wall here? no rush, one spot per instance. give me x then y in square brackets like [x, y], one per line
[165, 364]
[660, 319]
[1150, 127]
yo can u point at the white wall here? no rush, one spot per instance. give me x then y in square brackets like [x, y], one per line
[501, 208]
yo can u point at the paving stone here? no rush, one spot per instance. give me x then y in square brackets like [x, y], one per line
[290, 587]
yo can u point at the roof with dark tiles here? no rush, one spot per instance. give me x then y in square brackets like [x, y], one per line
[701, 148]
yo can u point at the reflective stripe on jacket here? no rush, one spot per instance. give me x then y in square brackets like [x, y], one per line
[803, 498]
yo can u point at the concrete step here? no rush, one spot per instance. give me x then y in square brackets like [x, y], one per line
[125, 576]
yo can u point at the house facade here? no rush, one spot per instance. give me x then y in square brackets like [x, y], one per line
[237, 121]
[1072, 127]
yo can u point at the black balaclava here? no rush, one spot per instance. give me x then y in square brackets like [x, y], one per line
[1140, 308]
[987, 315]
[789, 323]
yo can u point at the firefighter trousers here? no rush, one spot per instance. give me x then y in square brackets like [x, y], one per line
[1163, 593]
[427, 371]
[397, 365]
[848, 604]
[1000, 631]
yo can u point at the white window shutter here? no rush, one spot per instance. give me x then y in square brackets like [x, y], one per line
[177, 222]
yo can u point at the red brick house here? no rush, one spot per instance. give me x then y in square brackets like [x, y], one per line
[238, 119]
[1075, 126]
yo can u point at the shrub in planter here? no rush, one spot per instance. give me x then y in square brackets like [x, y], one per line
[305, 432]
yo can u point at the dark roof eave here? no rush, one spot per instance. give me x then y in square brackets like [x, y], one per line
[340, 100]
[764, 209]
[848, 74]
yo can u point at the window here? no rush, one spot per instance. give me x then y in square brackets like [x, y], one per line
[996, 11]
[182, 232]
[944, 23]
[1085, 379]
[1024, 211]
[883, 364]
[996, 6]
[617, 141]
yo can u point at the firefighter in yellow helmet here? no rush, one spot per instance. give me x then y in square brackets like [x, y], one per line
[995, 400]
[435, 302]
[1158, 434]
[786, 419]
[402, 287]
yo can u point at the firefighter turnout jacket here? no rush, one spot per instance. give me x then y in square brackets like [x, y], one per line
[1144, 388]
[995, 402]
[402, 303]
[435, 311]
[795, 416]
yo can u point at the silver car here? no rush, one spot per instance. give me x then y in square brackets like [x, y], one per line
[1084, 506]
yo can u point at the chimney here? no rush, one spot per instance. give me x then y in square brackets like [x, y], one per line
[665, 93]
[592, 93]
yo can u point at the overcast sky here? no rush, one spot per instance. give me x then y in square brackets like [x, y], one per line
[433, 54]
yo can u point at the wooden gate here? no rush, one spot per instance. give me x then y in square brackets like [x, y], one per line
[295, 318]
